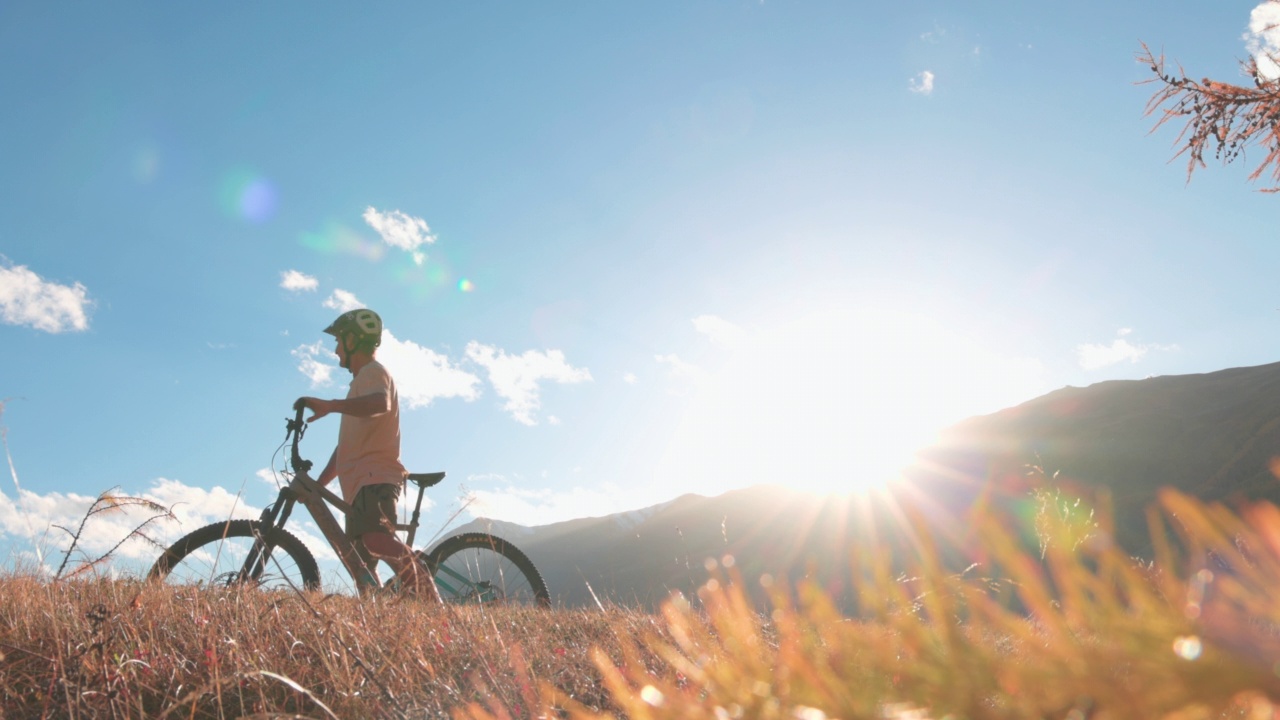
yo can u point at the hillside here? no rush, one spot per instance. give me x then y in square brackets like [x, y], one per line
[639, 558]
[1211, 435]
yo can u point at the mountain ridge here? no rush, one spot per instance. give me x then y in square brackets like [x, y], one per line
[1213, 435]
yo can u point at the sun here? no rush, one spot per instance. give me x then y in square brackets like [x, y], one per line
[836, 401]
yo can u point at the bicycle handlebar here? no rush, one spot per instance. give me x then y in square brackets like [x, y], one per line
[298, 427]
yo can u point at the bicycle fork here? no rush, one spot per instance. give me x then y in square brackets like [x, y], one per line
[255, 564]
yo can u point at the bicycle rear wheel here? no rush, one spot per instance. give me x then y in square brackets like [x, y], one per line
[482, 568]
[215, 556]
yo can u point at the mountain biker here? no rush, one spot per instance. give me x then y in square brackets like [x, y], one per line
[367, 458]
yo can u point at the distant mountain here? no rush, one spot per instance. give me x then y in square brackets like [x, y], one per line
[640, 558]
[1212, 435]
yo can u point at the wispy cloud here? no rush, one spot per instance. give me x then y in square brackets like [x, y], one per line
[317, 362]
[922, 83]
[270, 478]
[402, 231]
[517, 378]
[720, 331]
[423, 375]
[33, 518]
[295, 281]
[679, 368]
[1263, 38]
[1093, 356]
[28, 299]
[513, 500]
[342, 301]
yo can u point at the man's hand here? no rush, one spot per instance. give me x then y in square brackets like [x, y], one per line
[319, 407]
[374, 403]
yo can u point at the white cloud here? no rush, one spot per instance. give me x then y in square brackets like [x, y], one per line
[679, 368]
[516, 378]
[630, 378]
[28, 299]
[400, 230]
[342, 301]
[317, 362]
[33, 517]
[423, 375]
[543, 506]
[296, 281]
[1093, 356]
[1263, 38]
[719, 331]
[922, 83]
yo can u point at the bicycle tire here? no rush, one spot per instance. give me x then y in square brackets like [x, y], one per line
[478, 568]
[214, 555]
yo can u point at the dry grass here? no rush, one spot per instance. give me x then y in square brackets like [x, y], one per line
[1085, 632]
[100, 648]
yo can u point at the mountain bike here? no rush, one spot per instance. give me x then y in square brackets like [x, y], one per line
[470, 567]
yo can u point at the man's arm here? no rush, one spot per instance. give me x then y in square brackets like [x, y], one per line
[375, 403]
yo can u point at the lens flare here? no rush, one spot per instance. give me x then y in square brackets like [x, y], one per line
[338, 239]
[1188, 647]
[248, 196]
[146, 165]
[259, 200]
[466, 285]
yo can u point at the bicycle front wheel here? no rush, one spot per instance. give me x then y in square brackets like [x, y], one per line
[222, 555]
[482, 568]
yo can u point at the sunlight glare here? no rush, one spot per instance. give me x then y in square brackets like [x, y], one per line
[835, 402]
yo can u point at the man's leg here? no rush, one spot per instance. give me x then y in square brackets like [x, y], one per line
[365, 517]
[378, 539]
[369, 565]
[401, 558]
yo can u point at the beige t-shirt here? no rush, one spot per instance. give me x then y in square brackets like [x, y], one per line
[369, 448]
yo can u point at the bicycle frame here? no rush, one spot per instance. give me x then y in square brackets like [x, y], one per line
[317, 499]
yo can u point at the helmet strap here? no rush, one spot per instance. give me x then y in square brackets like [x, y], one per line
[351, 343]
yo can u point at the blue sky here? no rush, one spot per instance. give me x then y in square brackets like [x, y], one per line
[623, 251]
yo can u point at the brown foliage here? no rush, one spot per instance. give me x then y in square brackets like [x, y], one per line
[1218, 118]
[124, 649]
[1095, 634]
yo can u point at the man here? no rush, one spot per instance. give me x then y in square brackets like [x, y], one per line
[367, 458]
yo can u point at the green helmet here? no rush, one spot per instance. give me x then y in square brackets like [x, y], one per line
[363, 324]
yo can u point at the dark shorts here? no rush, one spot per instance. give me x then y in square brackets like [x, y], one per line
[373, 509]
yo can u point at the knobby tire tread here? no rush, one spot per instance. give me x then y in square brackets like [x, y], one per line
[467, 541]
